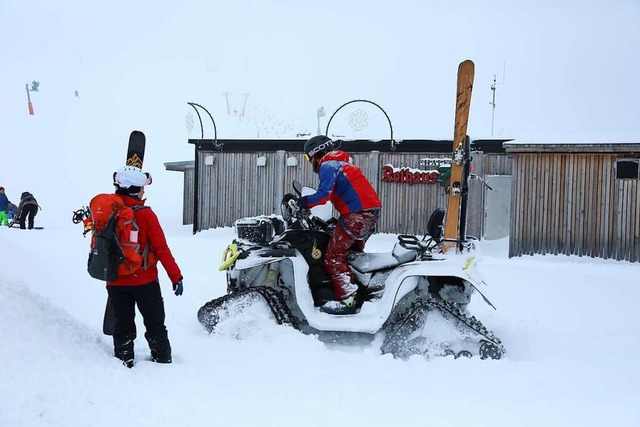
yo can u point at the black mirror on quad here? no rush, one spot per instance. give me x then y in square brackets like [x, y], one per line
[287, 212]
[297, 187]
[434, 226]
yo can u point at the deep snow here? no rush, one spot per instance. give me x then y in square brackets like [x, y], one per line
[567, 323]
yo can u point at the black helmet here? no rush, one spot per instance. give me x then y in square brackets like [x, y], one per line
[317, 146]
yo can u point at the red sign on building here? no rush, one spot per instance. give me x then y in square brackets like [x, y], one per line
[409, 175]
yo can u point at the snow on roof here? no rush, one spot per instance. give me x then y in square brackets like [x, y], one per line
[572, 147]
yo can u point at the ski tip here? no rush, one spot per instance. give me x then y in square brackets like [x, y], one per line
[466, 63]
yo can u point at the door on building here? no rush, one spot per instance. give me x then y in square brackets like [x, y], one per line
[497, 214]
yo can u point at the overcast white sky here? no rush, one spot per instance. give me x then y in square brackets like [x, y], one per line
[570, 65]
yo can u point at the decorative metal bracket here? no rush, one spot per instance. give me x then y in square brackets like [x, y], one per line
[215, 129]
[394, 144]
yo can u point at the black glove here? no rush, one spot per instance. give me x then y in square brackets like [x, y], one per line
[177, 288]
[302, 202]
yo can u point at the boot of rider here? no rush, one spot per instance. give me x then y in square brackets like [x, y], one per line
[123, 349]
[159, 346]
[345, 302]
[342, 307]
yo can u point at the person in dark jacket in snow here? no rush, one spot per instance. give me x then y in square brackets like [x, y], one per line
[355, 199]
[142, 288]
[4, 208]
[27, 209]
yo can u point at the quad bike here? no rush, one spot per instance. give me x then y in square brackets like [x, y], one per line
[413, 298]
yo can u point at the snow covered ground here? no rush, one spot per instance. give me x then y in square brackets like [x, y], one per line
[567, 323]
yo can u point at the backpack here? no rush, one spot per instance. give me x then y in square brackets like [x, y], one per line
[115, 250]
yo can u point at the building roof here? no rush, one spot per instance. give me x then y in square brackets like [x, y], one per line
[352, 146]
[572, 147]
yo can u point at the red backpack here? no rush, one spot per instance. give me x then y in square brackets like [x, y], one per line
[115, 250]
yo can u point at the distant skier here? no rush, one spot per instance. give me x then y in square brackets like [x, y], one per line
[354, 197]
[4, 208]
[27, 209]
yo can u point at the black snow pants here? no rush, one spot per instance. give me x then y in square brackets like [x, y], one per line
[28, 211]
[149, 300]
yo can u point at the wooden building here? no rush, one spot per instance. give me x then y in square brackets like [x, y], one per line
[231, 179]
[575, 199]
[549, 198]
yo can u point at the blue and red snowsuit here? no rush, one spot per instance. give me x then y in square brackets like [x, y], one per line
[354, 198]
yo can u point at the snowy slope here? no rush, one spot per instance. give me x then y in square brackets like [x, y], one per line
[567, 324]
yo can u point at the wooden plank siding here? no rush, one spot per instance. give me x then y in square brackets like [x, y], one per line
[188, 181]
[569, 201]
[494, 164]
[234, 186]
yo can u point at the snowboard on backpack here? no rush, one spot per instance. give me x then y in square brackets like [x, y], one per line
[135, 157]
[455, 222]
[135, 150]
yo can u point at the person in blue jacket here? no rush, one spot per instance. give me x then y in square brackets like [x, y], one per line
[4, 208]
[356, 200]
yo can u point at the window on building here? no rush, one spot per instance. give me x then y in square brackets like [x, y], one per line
[628, 168]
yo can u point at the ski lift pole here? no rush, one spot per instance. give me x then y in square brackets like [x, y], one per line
[29, 104]
[34, 88]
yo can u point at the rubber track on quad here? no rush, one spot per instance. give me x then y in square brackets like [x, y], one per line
[490, 346]
[207, 313]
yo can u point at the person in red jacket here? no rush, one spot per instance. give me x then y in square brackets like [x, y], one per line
[142, 288]
[355, 199]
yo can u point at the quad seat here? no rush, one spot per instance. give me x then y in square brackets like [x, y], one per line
[368, 262]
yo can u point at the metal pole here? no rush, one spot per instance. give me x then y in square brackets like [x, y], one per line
[244, 105]
[320, 113]
[29, 104]
[493, 103]
[226, 95]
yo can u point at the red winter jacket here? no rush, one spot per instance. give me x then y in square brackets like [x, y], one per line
[150, 233]
[343, 184]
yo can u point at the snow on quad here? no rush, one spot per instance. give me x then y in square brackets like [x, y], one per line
[412, 299]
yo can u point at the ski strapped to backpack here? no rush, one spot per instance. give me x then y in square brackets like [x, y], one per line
[115, 250]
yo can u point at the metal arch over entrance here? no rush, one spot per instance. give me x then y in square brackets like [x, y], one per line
[215, 129]
[392, 142]
[215, 144]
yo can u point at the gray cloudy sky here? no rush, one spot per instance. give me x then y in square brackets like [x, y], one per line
[570, 65]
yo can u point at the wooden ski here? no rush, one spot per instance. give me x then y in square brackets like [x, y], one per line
[452, 226]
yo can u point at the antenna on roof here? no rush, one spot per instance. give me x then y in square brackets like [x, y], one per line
[493, 98]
